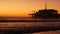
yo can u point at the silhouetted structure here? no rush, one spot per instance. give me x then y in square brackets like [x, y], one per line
[46, 14]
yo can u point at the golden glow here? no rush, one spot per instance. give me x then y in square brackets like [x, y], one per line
[21, 8]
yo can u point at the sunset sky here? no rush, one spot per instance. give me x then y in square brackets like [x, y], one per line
[21, 8]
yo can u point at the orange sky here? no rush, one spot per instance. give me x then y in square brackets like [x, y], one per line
[24, 7]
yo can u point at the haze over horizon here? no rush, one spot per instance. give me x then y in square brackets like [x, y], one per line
[21, 8]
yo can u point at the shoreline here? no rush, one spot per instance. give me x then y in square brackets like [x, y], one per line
[32, 20]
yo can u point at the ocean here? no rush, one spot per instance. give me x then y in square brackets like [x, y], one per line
[30, 27]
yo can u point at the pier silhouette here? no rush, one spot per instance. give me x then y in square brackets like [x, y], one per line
[46, 14]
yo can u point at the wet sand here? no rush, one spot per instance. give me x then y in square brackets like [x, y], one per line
[48, 32]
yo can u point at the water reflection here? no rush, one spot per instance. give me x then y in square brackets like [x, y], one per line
[12, 27]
